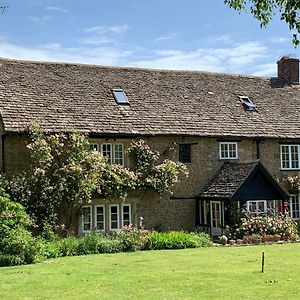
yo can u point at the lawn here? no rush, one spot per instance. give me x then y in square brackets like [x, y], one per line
[205, 273]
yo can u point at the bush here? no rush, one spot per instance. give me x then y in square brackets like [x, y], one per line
[133, 238]
[281, 225]
[177, 240]
[17, 245]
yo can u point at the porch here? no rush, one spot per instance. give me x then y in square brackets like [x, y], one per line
[236, 188]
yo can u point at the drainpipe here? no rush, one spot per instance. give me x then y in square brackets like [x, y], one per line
[258, 141]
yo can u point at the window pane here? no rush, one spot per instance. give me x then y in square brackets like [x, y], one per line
[294, 157]
[114, 217]
[294, 207]
[118, 154]
[257, 207]
[185, 153]
[100, 218]
[94, 147]
[86, 217]
[290, 156]
[228, 150]
[126, 215]
[106, 151]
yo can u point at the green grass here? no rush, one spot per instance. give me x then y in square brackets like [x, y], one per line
[204, 273]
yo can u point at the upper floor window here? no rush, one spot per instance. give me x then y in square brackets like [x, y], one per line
[290, 157]
[228, 150]
[185, 153]
[114, 152]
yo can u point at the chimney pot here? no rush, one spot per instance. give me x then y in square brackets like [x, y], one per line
[288, 68]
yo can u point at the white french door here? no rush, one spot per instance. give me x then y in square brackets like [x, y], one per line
[216, 216]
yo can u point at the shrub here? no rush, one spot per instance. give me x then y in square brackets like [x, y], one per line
[281, 225]
[17, 245]
[177, 240]
[133, 238]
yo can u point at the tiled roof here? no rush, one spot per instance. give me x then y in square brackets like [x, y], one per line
[227, 180]
[67, 97]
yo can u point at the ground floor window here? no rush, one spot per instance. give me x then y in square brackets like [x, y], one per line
[114, 217]
[100, 217]
[294, 206]
[105, 217]
[86, 218]
[257, 207]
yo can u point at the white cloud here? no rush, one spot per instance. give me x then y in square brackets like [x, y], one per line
[225, 39]
[107, 29]
[268, 69]
[57, 8]
[41, 19]
[280, 40]
[55, 52]
[243, 58]
[233, 59]
[165, 37]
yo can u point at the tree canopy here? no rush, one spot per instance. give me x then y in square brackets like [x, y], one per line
[264, 10]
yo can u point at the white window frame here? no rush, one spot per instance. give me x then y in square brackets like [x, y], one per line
[118, 217]
[91, 217]
[228, 151]
[292, 211]
[290, 167]
[122, 211]
[94, 146]
[257, 201]
[95, 217]
[114, 153]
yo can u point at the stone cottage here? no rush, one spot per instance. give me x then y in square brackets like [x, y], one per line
[233, 132]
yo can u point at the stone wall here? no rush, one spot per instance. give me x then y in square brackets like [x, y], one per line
[178, 212]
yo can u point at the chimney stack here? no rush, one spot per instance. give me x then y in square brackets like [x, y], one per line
[288, 68]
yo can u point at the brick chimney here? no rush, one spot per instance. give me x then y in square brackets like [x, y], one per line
[288, 68]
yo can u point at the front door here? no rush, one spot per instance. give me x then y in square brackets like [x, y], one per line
[215, 217]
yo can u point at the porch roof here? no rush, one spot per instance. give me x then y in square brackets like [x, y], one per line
[243, 181]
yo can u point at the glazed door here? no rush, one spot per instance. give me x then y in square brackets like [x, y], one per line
[216, 217]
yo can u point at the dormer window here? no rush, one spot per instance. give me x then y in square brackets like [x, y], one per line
[120, 97]
[247, 103]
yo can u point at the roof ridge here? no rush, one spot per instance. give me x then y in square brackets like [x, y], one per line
[78, 64]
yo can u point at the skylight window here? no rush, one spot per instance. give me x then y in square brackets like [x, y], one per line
[120, 97]
[247, 103]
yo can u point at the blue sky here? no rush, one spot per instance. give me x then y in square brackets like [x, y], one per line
[168, 34]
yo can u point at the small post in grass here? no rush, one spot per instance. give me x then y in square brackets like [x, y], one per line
[263, 262]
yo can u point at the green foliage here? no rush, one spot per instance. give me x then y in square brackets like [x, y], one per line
[17, 246]
[12, 214]
[150, 174]
[264, 10]
[178, 240]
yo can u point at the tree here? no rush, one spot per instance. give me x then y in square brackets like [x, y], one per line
[264, 10]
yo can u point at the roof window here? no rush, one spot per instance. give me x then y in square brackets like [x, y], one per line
[120, 97]
[247, 103]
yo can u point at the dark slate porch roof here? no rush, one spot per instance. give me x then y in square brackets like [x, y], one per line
[68, 97]
[243, 181]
